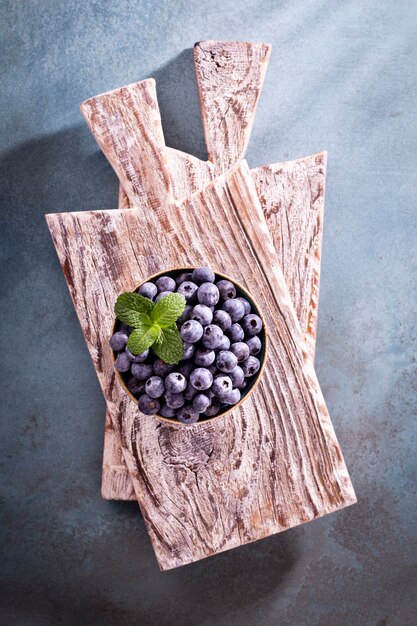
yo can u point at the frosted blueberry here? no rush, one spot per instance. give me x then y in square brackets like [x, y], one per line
[174, 400]
[122, 362]
[213, 409]
[188, 289]
[185, 315]
[166, 283]
[252, 325]
[161, 295]
[232, 397]
[225, 343]
[250, 366]
[148, 290]
[208, 294]
[162, 369]
[191, 331]
[185, 368]
[254, 344]
[141, 370]
[241, 350]
[189, 349]
[212, 336]
[201, 378]
[236, 333]
[222, 385]
[227, 289]
[204, 357]
[190, 393]
[136, 386]
[187, 415]
[202, 314]
[201, 402]
[246, 305]
[203, 275]
[167, 411]
[137, 358]
[226, 361]
[183, 277]
[154, 387]
[147, 405]
[237, 376]
[222, 319]
[175, 382]
[235, 309]
[118, 341]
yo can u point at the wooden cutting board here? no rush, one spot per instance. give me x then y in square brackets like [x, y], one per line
[272, 463]
[126, 123]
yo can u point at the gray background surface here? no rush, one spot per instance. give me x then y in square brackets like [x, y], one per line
[342, 77]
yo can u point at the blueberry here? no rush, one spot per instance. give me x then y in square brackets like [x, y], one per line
[201, 378]
[189, 349]
[149, 290]
[162, 369]
[187, 415]
[122, 362]
[137, 358]
[237, 376]
[202, 314]
[185, 315]
[212, 336]
[175, 382]
[188, 289]
[204, 357]
[161, 295]
[166, 283]
[203, 275]
[155, 387]
[232, 397]
[222, 319]
[174, 400]
[201, 402]
[191, 331]
[250, 366]
[236, 333]
[185, 368]
[226, 361]
[190, 393]
[185, 276]
[118, 341]
[254, 344]
[167, 411]
[208, 294]
[147, 405]
[136, 386]
[222, 385]
[213, 369]
[227, 289]
[141, 370]
[124, 328]
[252, 325]
[246, 305]
[213, 409]
[241, 350]
[225, 343]
[235, 309]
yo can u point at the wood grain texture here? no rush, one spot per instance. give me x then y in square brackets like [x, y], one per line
[275, 461]
[230, 75]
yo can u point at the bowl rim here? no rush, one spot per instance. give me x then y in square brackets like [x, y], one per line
[209, 420]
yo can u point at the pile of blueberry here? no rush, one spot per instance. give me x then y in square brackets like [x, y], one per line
[222, 336]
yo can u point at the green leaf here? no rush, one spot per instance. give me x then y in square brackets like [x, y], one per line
[138, 341]
[171, 348]
[168, 309]
[129, 305]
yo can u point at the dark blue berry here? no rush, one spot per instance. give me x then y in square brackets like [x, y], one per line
[237, 376]
[185, 368]
[185, 315]
[189, 290]
[222, 385]
[136, 386]
[166, 283]
[212, 336]
[162, 369]
[124, 328]
[236, 333]
[204, 357]
[227, 289]
[235, 309]
[141, 370]
[185, 276]
[254, 344]
[226, 361]
[241, 350]
[213, 409]
[137, 358]
[167, 411]
[190, 393]
[203, 275]
[232, 397]
[187, 415]
[252, 325]
[122, 362]
[225, 343]
[246, 304]
[191, 331]
[161, 295]
[250, 366]
[118, 341]
[155, 387]
[149, 290]
[201, 403]
[201, 378]
[147, 405]
[208, 294]
[174, 400]
[222, 319]
[202, 314]
[175, 382]
[189, 349]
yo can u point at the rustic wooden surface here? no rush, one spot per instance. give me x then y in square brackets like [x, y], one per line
[274, 462]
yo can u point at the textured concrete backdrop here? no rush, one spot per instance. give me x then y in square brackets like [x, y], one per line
[342, 77]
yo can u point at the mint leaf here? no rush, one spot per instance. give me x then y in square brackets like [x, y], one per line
[138, 340]
[171, 348]
[166, 312]
[129, 305]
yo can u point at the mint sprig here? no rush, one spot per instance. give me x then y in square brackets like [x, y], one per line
[154, 325]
